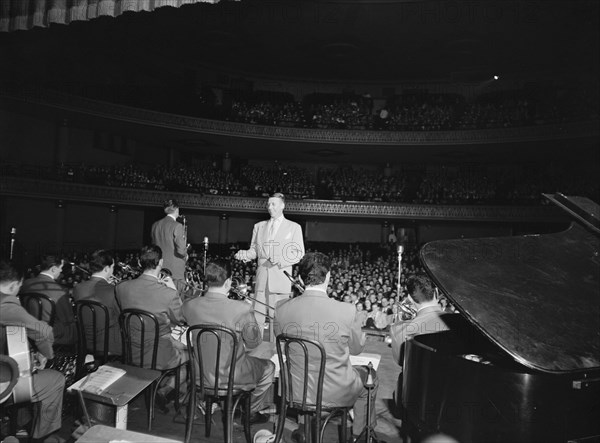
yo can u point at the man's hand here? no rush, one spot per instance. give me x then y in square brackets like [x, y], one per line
[241, 255]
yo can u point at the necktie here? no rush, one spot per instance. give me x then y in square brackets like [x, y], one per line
[272, 230]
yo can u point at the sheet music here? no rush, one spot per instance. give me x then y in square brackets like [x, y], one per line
[361, 359]
[98, 381]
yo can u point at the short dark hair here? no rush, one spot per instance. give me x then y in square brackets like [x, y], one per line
[100, 259]
[50, 260]
[150, 255]
[9, 273]
[170, 205]
[422, 284]
[278, 195]
[217, 272]
[313, 268]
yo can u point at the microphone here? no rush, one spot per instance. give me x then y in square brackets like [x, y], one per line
[13, 233]
[205, 242]
[400, 249]
[79, 267]
[295, 283]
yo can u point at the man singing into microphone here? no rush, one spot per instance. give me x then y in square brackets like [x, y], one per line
[277, 244]
[169, 235]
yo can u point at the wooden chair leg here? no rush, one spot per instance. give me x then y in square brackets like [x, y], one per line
[344, 430]
[246, 406]
[191, 412]
[208, 402]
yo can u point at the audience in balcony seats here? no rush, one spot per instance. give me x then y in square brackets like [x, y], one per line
[65, 327]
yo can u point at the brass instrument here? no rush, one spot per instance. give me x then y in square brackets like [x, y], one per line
[408, 311]
[239, 291]
[193, 279]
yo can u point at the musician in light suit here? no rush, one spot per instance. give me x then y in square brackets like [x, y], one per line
[47, 384]
[215, 307]
[98, 288]
[65, 327]
[168, 234]
[160, 298]
[277, 245]
[336, 325]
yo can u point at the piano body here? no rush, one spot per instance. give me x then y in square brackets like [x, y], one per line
[521, 361]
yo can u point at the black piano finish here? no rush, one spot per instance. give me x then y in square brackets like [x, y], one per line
[498, 402]
[530, 310]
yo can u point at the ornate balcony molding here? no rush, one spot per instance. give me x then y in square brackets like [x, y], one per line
[336, 136]
[26, 187]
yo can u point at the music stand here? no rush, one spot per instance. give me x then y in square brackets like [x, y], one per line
[368, 431]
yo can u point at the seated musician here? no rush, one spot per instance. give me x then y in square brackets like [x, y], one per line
[159, 297]
[48, 384]
[422, 294]
[65, 327]
[98, 288]
[337, 326]
[215, 307]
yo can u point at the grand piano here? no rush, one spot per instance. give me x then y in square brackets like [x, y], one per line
[521, 361]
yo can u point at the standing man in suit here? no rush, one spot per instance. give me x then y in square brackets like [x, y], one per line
[159, 297]
[98, 288]
[335, 325]
[216, 307]
[65, 327]
[168, 234]
[277, 244]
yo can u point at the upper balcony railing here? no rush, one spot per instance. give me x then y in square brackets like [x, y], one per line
[71, 103]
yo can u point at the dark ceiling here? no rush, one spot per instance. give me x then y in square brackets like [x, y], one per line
[324, 40]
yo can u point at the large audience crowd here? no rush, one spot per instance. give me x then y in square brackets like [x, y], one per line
[408, 112]
[425, 184]
[364, 275]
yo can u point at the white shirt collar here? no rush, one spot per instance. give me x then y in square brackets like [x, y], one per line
[100, 276]
[172, 216]
[47, 274]
[314, 288]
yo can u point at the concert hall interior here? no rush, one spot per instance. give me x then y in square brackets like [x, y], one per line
[191, 159]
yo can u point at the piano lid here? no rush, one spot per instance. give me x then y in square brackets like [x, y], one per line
[535, 296]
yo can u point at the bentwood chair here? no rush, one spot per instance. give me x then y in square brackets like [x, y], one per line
[139, 332]
[308, 402]
[212, 350]
[33, 302]
[93, 325]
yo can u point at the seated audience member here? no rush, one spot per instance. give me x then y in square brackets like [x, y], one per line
[377, 319]
[422, 294]
[65, 327]
[48, 384]
[98, 288]
[215, 307]
[159, 297]
[361, 314]
[343, 383]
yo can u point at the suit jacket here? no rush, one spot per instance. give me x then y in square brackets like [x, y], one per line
[146, 293]
[98, 289]
[236, 315]
[169, 236]
[287, 249]
[336, 326]
[12, 313]
[65, 327]
[427, 321]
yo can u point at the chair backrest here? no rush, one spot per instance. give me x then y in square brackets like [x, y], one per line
[299, 361]
[139, 332]
[205, 344]
[33, 302]
[9, 375]
[89, 314]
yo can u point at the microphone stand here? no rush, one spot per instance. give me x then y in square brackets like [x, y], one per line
[204, 288]
[400, 251]
[13, 232]
[368, 431]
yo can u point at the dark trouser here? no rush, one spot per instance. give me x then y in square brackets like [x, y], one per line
[48, 388]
